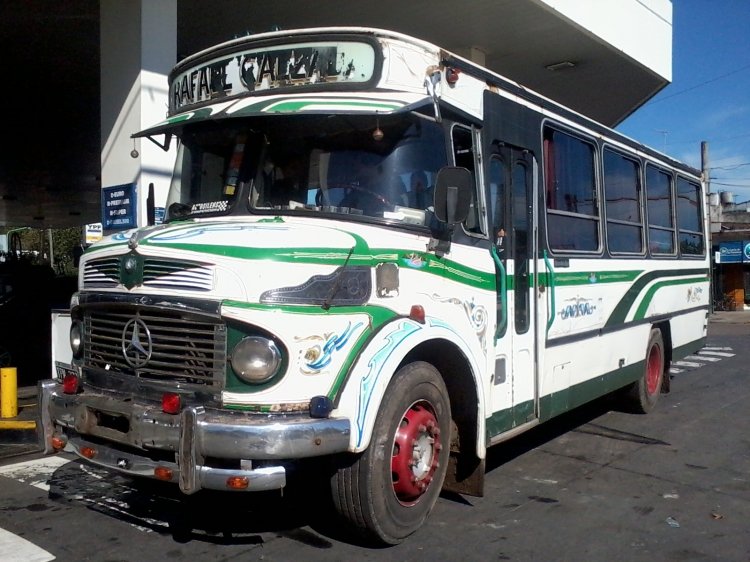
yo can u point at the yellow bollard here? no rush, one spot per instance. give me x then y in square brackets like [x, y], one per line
[8, 392]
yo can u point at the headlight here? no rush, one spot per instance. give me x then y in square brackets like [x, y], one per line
[76, 339]
[255, 359]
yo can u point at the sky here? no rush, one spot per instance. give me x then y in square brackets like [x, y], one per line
[709, 97]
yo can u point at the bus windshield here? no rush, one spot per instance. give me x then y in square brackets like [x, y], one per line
[369, 166]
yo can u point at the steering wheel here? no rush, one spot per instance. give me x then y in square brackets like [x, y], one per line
[378, 198]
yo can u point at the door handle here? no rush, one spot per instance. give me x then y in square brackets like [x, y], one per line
[551, 294]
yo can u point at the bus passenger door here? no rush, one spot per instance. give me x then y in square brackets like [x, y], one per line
[512, 195]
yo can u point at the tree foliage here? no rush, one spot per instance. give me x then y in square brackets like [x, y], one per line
[35, 246]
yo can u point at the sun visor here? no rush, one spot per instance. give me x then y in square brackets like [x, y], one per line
[370, 103]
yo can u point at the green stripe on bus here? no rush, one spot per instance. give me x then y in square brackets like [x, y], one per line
[429, 263]
[292, 105]
[688, 349]
[301, 105]
[565, 400]
[595, 277]
[640, 312]
[590, 277]
[505, 420]
[623, 307]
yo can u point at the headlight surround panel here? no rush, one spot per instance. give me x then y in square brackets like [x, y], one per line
[256, 359]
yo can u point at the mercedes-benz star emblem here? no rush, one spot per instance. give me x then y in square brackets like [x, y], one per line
[136, 343]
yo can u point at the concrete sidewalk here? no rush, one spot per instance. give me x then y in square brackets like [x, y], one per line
[730, 317]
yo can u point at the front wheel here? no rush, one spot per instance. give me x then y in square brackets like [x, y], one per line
[388, 491]
[643, 394]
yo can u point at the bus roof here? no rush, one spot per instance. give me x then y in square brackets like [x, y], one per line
[194, 74]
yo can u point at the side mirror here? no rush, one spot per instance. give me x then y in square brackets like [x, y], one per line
[453, 193]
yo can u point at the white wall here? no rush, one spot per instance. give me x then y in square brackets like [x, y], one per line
[611, 20]
[138, 49]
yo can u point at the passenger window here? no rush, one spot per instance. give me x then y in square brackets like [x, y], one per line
[463, 154]
[660, 211]
[689, 215]
[570, 184]
[622, 194]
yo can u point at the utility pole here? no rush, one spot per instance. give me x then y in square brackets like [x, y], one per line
[51, 249]
[704, 166]
[714, 215]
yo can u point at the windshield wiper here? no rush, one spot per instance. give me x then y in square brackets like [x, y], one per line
[337, 282]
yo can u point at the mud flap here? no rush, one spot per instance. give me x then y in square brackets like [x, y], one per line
[465, 475]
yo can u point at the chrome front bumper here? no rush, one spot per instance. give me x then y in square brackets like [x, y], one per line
[119, 435]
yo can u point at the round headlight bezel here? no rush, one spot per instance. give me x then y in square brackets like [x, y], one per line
[256, 359]
[76, 338]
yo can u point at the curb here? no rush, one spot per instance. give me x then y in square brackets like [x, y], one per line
[25, 419]
[17, 424]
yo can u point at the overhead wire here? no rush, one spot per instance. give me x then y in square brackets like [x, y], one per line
[700, 85]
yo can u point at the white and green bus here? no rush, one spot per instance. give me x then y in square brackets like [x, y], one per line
[380, 257]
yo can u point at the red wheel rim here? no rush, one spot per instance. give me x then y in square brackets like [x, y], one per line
[416, 448]
[653, 369]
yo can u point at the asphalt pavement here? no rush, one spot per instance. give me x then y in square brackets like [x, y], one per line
[598, 484]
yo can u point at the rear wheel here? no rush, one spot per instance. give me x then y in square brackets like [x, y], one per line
[389, 490]
[644, 393]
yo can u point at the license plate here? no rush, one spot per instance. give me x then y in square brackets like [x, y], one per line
[62, 369]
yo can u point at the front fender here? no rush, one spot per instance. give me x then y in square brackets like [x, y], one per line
[371, 373]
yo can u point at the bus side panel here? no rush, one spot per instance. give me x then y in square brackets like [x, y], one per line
[579, 372]
[688, 333]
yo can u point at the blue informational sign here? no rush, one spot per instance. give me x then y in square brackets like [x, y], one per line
[734, 252]
[158, 215]
[119, 209]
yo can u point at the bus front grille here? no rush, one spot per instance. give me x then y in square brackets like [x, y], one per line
[151, 343]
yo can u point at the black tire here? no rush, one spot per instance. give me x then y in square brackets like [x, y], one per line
[372, 493]
[643, 394]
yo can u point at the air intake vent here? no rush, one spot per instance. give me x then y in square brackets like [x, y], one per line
[178, 275]
[103, 272]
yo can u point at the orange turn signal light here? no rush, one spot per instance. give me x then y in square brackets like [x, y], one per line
[238, 482]
[163, 473]
[88, 452]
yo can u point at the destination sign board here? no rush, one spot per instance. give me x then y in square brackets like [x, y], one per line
[272, 67]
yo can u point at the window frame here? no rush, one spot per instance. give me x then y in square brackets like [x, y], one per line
[640, 189]
[480, 205]
[701, 221]
[597, 191]
[670, 175]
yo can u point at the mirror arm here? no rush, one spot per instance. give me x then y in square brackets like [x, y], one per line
[440, 242]
[165, 145]
[431, 82]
